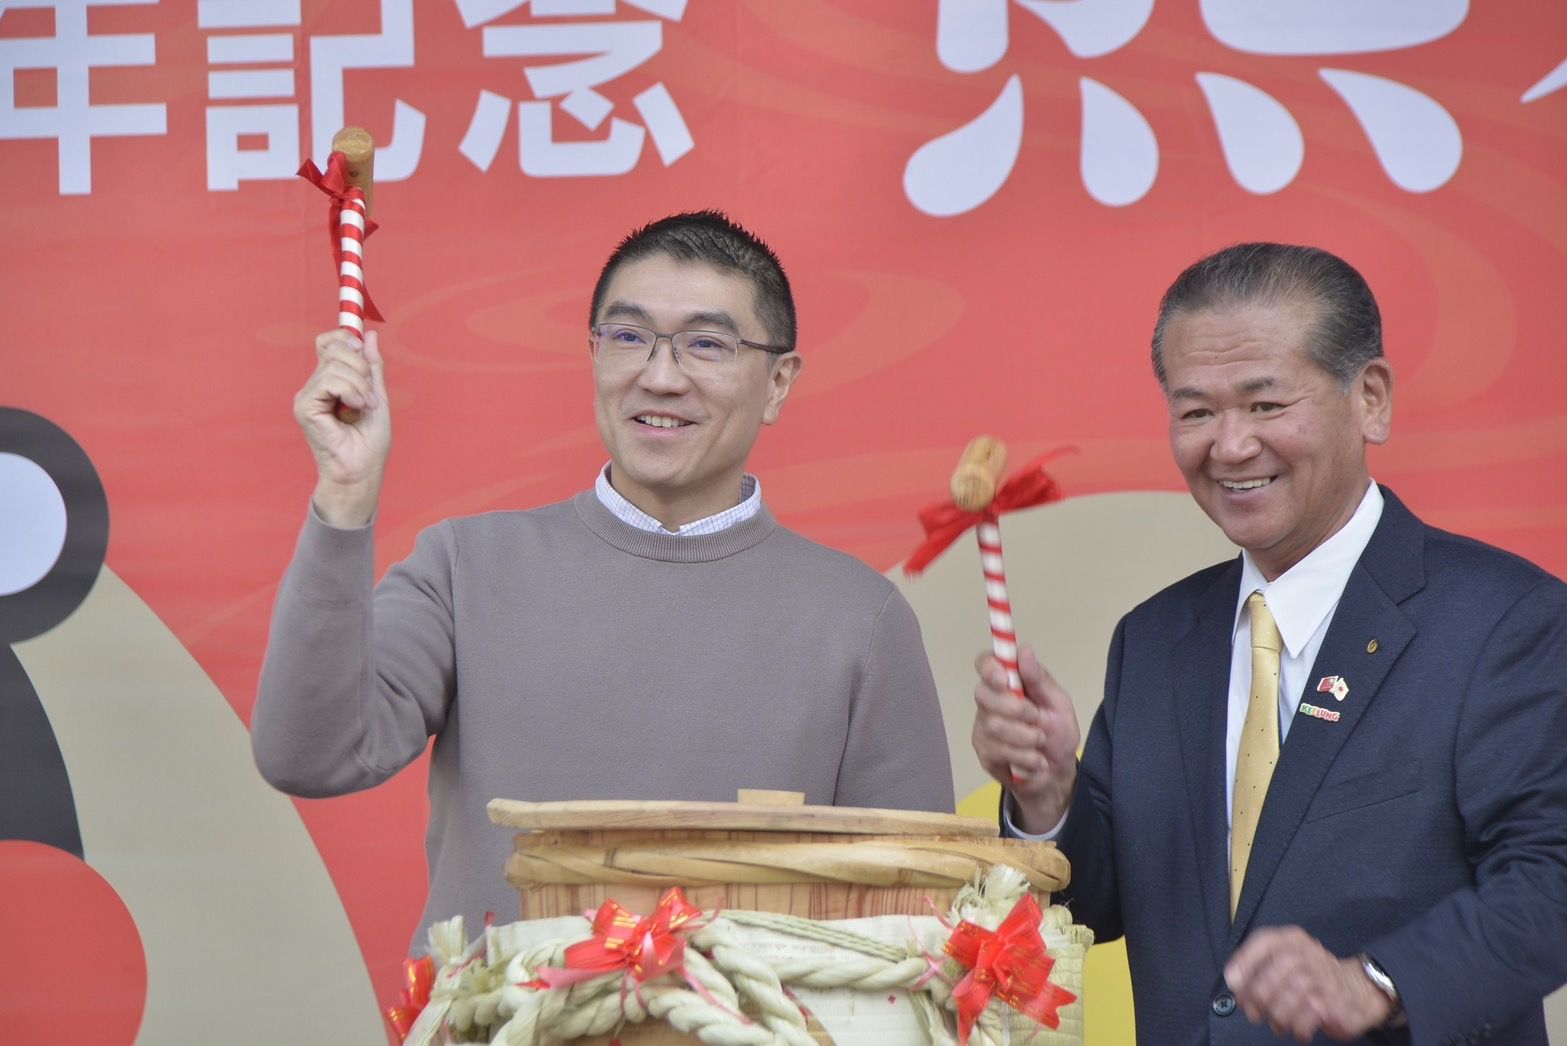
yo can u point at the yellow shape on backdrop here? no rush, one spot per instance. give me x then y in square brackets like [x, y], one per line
[1107, 1011]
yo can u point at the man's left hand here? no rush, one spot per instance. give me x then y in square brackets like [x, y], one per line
[1283, 976]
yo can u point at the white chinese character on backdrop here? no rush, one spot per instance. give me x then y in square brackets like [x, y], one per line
[274, 123]
[1414, 138]
[268, 73]
[391, 48]
[1552, 82]
[601, 51]
[74, 121]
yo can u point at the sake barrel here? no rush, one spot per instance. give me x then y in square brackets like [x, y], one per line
[766, 852]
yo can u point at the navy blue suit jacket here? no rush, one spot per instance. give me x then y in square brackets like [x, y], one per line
[1427, 827]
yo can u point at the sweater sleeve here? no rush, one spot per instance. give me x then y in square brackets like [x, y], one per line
[356, 677]
[896, 756]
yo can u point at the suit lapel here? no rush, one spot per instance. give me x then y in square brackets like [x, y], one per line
[1200, 672]
[1388, 572]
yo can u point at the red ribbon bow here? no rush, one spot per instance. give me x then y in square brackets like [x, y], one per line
[1009, 963]
[334, 182]
[644, 948]
[420, 975]
[944, 522]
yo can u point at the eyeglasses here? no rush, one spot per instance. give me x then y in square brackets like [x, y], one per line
[625, 346]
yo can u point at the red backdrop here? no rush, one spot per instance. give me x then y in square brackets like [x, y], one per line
[164, 321]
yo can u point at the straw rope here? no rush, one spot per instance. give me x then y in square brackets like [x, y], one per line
[483, 1000]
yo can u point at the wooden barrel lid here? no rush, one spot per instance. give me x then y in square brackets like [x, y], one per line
[758, 812]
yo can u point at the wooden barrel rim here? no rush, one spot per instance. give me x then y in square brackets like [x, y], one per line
[620, 814]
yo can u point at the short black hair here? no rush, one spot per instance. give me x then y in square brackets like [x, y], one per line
[712, 238]
[1346, 333]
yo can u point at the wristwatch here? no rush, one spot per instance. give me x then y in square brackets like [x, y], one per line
[1384, 984]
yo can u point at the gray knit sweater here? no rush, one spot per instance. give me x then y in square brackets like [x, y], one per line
[562, 654]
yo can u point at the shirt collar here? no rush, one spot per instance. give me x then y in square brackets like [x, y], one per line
[1305, 594]
[749, 505]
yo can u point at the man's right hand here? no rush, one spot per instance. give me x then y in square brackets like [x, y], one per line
[350, 456]
[1037, 738]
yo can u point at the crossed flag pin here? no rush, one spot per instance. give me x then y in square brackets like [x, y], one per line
[1334, 685]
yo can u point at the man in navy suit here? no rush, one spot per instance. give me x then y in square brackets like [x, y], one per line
[1339, 807]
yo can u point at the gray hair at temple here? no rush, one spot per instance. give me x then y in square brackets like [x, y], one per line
[1347, 331]
[712, 238]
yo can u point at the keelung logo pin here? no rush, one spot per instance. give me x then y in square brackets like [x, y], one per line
[1334, 685]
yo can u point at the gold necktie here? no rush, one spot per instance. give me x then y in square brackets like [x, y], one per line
[1259, 750]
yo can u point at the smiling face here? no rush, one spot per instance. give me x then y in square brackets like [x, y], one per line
[1271, 445]
[678, 446]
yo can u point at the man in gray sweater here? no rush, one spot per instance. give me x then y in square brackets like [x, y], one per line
[657, 637]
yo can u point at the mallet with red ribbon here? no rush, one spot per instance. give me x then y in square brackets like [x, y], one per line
[349, 181]
[979, 499]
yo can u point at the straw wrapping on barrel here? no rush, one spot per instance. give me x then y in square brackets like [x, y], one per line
[735, 992]
[763, 868]
[809, 861]
[888, 861]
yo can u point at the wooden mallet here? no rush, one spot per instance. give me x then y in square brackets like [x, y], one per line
[979, 497]
[974, 485]
[358, 152]
[350, 182]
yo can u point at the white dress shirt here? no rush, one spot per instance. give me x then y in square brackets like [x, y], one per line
[750, 504]
[1302, 601]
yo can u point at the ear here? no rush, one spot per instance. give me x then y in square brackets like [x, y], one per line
[780, 380]
[1374, 390]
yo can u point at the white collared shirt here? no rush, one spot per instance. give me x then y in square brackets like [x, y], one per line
[750, 504]
[1302, 601]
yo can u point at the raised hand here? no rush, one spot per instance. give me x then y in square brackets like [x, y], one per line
[1037, 738]
[350, 455]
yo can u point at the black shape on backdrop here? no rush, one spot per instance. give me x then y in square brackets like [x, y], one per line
[36, 802]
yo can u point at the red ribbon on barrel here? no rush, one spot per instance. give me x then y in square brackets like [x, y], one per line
[644, 948]
[420, 975]
[1008, 963]
[944, 522]
[334, 182]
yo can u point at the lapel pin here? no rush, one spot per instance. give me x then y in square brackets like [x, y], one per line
[1371, 647]
[1327, 715]
[1334, 685]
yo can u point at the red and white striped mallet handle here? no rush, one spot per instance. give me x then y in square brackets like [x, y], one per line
[358, 150]
[974, 485]
[1003, 634]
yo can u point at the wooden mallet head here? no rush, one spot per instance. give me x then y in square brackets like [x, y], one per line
[978, 475]
[358, 149]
